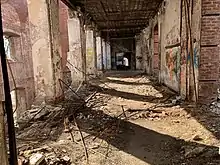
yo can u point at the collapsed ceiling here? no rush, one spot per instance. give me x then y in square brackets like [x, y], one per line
[119, 18]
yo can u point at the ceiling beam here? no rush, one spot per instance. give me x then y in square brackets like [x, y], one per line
[122, 20]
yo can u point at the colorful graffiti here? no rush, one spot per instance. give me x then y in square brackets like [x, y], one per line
[195, 55]
[173, 63]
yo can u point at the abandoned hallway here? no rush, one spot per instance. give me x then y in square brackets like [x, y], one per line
[109, 82]
[151, 130]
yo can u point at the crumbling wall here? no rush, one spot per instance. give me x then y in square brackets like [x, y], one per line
[63, 17]
[75, 52]
[46, 52]
[170, 44]
[175, 69]
[16, 25]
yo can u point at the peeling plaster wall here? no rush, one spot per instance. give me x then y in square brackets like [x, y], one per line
[46, 48]
[173, 58]
[75, 54]
[63, 15]
[16, 22]
[170, 38]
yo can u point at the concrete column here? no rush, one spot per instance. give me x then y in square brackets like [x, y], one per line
[3, 151]
[108, 54]
[45, 37]
[138, 54]
[104, 54]
[90, 52]
[99, 52]
[74, 56]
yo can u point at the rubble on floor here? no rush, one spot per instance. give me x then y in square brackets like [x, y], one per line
[103, 126]
[215, 108]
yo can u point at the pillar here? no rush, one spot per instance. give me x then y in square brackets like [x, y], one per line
[3, 151]
[99, 52]
[45, 41]
[108, 55]
[76, 59]
[90, 51]
[104, 54]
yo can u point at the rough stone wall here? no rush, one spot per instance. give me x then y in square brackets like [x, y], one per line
[16, 22]
[209, 62]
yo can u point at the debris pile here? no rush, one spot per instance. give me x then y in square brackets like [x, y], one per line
[73, 120]
[215, 108]
[44, 155]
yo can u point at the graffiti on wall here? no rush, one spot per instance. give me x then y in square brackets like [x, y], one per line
[173, 63]
[195, 55]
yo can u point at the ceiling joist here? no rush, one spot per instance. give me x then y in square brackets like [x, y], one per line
[118, 17]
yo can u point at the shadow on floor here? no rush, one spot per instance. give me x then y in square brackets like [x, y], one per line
[125, 82]
[145, 144]
[208, 119]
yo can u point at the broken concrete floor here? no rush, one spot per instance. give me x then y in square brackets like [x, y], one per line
[130, 119]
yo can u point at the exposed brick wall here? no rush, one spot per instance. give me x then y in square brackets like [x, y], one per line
[15, 19]
[209, 61]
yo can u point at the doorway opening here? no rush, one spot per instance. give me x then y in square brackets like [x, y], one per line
[123, 60]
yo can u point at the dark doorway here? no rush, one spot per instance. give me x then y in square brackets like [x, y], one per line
[123, 60]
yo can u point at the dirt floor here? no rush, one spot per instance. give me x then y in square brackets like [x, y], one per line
[127, 119]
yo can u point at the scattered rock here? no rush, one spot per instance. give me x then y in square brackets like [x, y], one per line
[22, 161]
[66, 159]
[37, 159]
